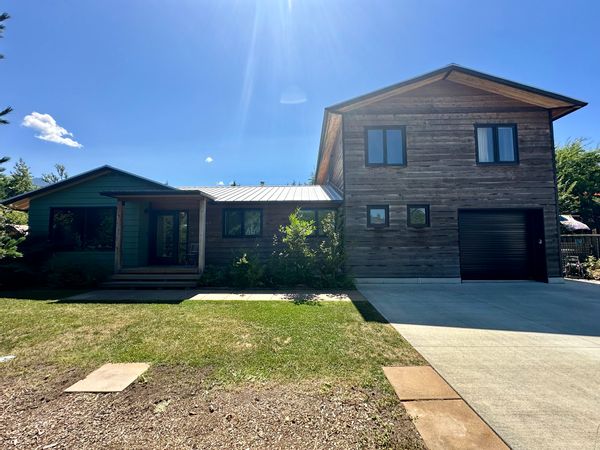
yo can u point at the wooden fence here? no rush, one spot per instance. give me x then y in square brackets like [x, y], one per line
[580, 245]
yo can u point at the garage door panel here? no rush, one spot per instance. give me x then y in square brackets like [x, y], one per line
[494, 245]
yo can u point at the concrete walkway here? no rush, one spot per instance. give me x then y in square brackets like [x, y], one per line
[525, 356]
[179, 295]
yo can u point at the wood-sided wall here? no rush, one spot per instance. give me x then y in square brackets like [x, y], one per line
[441, 171]
[221, 250]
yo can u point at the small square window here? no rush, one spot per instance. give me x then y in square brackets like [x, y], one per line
[418, 216]
[378, 216]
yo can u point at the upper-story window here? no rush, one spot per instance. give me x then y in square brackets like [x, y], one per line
[496, 144]
[386, 146]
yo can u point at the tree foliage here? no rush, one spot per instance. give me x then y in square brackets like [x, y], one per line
[9, 241]
[59, 174]
[19, 181]
[578, 174]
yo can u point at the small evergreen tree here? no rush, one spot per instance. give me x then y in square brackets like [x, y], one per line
[20, 180]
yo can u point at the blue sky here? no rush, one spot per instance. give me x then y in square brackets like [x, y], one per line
[157, 86]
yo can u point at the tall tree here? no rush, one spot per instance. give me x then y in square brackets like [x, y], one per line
[20, 179]
[578, 172]
[59, 174]
[8, 242]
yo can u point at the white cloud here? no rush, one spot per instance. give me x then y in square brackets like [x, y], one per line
[49, 130]
[208, 159]
[220, 183]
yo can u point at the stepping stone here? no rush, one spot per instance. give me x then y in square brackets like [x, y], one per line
[452, 424]
[419, 383]
[110, 378]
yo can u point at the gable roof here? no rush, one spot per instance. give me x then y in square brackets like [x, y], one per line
[473, 78]
[558, 105]
[21, 201]
[310, 193]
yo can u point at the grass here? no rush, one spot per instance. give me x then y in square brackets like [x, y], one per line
[239, 341]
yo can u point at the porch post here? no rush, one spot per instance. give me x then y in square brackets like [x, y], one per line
[118, 235]
[201, 233]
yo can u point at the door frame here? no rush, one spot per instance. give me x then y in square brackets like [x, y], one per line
[154, 214]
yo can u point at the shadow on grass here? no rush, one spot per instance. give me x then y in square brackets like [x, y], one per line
[365, 309]
[120, 301]
[39, 294]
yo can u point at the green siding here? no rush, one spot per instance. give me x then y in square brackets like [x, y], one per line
[87, 193]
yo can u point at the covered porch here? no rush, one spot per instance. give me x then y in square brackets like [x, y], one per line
[160, 236]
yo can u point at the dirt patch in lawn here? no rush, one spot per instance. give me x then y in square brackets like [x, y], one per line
[175, 407]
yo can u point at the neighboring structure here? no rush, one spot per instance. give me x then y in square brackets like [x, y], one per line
[446, 176]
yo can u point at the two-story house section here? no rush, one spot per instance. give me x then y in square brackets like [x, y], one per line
[450, 175]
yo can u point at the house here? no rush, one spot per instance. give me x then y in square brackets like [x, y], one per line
[446, 176]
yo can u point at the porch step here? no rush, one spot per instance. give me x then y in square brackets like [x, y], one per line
[163, 270]
[153, 279]
[154, 276]
[146, 284]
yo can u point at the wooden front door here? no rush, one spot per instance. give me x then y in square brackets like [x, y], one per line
[168, 237]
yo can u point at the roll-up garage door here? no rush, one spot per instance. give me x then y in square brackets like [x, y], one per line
[500, 244]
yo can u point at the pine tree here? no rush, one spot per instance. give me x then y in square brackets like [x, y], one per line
[20, 180]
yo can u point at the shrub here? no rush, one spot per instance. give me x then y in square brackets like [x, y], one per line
[74, 274]
[246, 271]
[331, 255]
[592, 268]
[294, 260]
[213, 276]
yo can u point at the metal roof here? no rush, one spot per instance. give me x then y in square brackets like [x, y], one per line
[311, 193]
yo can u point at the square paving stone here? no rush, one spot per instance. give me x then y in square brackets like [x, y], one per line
[419, 383]
[110, 378]
[452, 424]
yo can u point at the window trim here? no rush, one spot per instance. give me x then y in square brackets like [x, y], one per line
[427, 215]
[385, 150]
[387, 216]
[85, 218]
[316, 210]
[242, 235]
[496, 142]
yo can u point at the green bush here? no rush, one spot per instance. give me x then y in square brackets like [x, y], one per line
[298, 259]
[294, 260]
[331, 255]
[213, 276]
[592, 268]
[74, 274]
[246, 271]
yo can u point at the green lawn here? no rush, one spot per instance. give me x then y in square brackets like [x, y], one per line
[238, 341]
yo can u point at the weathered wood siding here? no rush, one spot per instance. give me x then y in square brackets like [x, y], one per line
[336, 165]
[441, 171]
[87, 193]
[221, 250]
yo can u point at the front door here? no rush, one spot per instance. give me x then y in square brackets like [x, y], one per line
[168, 237]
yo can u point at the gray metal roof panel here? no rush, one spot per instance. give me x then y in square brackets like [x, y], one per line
[311, 193]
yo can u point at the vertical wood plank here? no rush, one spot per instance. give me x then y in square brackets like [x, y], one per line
[118, 235]
[201, 234]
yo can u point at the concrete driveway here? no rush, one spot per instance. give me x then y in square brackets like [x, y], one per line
[525, 356]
